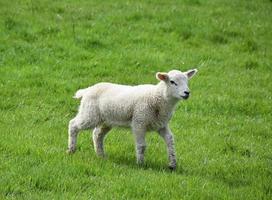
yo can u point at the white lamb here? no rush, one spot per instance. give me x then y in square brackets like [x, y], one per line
[143, 108]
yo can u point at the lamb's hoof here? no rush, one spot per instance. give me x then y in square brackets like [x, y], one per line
[172, 167]
[70, 151]
[101, 155]
[140, 163]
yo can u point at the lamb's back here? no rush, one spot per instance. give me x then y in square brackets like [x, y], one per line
[119, 92]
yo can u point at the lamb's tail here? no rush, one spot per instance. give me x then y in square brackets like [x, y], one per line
[80, 93]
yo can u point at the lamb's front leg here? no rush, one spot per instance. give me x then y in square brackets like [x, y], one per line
[169, 140]
[139, 134]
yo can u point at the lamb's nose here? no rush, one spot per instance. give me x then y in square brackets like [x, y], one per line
[187, 93]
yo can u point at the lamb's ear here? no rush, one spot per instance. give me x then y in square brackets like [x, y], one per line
[162, 76]
[190, 73]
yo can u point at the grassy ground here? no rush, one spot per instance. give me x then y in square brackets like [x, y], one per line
[49, 49]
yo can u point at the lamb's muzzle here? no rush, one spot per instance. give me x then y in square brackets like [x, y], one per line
[186, 96]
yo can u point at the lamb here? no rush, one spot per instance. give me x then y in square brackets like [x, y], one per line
[143, 108]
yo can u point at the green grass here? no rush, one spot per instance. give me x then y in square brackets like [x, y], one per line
[49, 49]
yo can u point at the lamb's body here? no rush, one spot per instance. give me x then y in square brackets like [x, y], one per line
[120, 105]
[143, 108]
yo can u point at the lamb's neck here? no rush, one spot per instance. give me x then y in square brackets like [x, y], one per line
[162, 91]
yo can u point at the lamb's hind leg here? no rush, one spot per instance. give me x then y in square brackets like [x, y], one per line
[99, 134]
[75, 125]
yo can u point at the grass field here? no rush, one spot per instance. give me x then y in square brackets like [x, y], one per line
[49, 49]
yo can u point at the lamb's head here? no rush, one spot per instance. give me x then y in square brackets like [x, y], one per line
[177, 82]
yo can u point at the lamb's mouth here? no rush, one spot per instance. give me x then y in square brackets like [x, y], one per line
[185, 97]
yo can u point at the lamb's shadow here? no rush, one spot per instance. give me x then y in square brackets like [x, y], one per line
[129, 161]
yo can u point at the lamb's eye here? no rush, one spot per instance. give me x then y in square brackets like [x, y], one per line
[173, 83]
